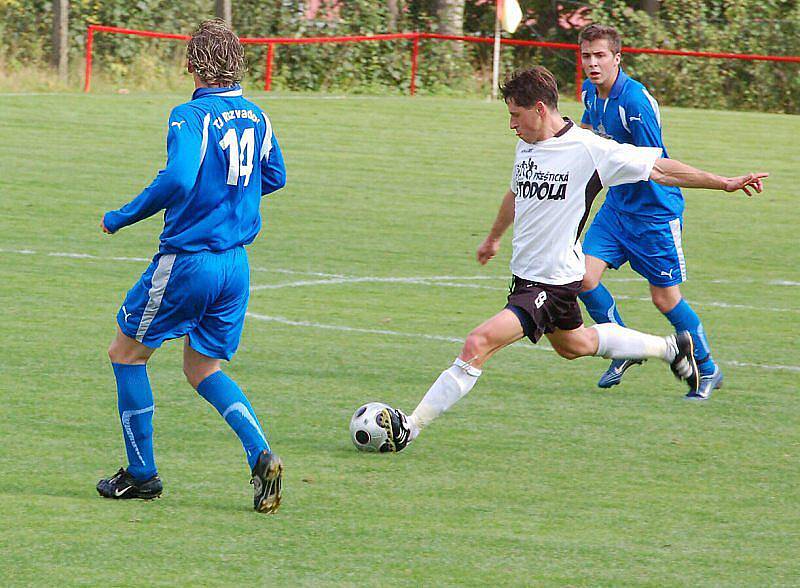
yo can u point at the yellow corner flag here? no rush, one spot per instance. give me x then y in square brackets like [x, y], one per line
[510, 14]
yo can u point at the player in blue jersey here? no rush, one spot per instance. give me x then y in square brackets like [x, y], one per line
[222, 156]
[638, 223]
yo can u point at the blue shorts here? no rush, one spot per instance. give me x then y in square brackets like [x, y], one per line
[202, 295]
[653, 249]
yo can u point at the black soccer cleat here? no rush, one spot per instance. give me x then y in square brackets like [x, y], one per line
[684, 366]
[395, 422]
[266, 483]
[122, 486]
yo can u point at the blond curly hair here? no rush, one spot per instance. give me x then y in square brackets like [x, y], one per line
[215, 53]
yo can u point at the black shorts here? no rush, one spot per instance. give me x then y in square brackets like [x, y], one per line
[543, 308]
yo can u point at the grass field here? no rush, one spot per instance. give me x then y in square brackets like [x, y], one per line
[535, 478]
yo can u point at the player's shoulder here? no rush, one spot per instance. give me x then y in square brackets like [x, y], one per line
[260, 114]
[581, 135]
[636, 93]
[187, 111]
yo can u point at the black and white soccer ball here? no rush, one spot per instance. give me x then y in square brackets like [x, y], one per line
[377, 427]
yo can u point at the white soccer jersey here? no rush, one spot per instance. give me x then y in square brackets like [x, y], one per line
[555, 182]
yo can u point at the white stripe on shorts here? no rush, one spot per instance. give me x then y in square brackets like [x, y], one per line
[675, 227]
[158, 284]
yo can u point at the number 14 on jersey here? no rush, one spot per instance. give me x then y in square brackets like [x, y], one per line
[240, 154]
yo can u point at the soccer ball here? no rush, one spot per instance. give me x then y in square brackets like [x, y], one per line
[377, 427]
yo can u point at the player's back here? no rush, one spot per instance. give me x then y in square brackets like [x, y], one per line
[220, 144]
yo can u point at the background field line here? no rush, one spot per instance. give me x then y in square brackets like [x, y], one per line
[333, 279]
[76, 255]
[539, 347]
[435, 281]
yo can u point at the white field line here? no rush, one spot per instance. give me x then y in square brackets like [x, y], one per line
[386, 332]
[437, 281]
[441, 281]
[790, 283]
[607, 278]
[73, 255]
[447, 281]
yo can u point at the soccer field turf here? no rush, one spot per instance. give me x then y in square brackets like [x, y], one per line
[364, 283]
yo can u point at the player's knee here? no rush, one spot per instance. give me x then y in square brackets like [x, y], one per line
[192, 375]
[664, 302]
[567, 352]
[118, 352]
[574, 347]
[589, 283]
[476, 345]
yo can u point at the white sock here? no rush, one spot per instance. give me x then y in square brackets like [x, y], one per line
[449, 388]
[616, 342]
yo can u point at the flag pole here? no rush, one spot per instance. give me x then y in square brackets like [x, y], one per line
[496, 53]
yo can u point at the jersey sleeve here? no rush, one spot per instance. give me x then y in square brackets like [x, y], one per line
[643, 119]
[186, 135]
[586, 119]
[273, 168]
[621, 163]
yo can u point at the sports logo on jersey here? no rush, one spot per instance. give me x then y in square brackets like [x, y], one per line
[177, 124]
[532, 183]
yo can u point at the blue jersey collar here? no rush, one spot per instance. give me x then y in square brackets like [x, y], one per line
[619, 84]
[227, 91]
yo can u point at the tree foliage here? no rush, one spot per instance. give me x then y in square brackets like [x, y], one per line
[767, 27]
[749, 26]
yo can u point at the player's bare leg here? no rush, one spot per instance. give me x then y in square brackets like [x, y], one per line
[455, 382]
[680, 314]
[603, 309]
[127, 351]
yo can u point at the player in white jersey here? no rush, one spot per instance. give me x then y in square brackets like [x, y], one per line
[559, 170]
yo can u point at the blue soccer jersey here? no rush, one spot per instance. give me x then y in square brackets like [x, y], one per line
[222, 156]
[631, 115]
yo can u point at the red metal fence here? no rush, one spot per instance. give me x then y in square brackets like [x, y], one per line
[271, 42]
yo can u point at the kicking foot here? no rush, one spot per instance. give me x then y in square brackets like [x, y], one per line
[395, 422]
[613, 375]
[266, 483]
[122, 485]
[684, 366]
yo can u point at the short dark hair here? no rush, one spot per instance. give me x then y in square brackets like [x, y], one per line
[597, 31]
[526, 87]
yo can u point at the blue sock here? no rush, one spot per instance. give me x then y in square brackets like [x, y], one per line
[135, 403]
[684, 318]
[232, 404]
[601, 305]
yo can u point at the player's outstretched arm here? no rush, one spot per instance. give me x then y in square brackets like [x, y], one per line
[184, 139]
[505, 216]
[671, 172]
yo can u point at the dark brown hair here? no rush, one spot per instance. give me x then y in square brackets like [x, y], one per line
[596, 31]
[529, 86]
[216, 54]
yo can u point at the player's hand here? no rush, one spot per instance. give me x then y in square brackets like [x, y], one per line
[748, 184]
[103, 226]
[487, 250]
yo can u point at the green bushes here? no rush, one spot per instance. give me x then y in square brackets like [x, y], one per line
[769, 27]
[742, 26]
